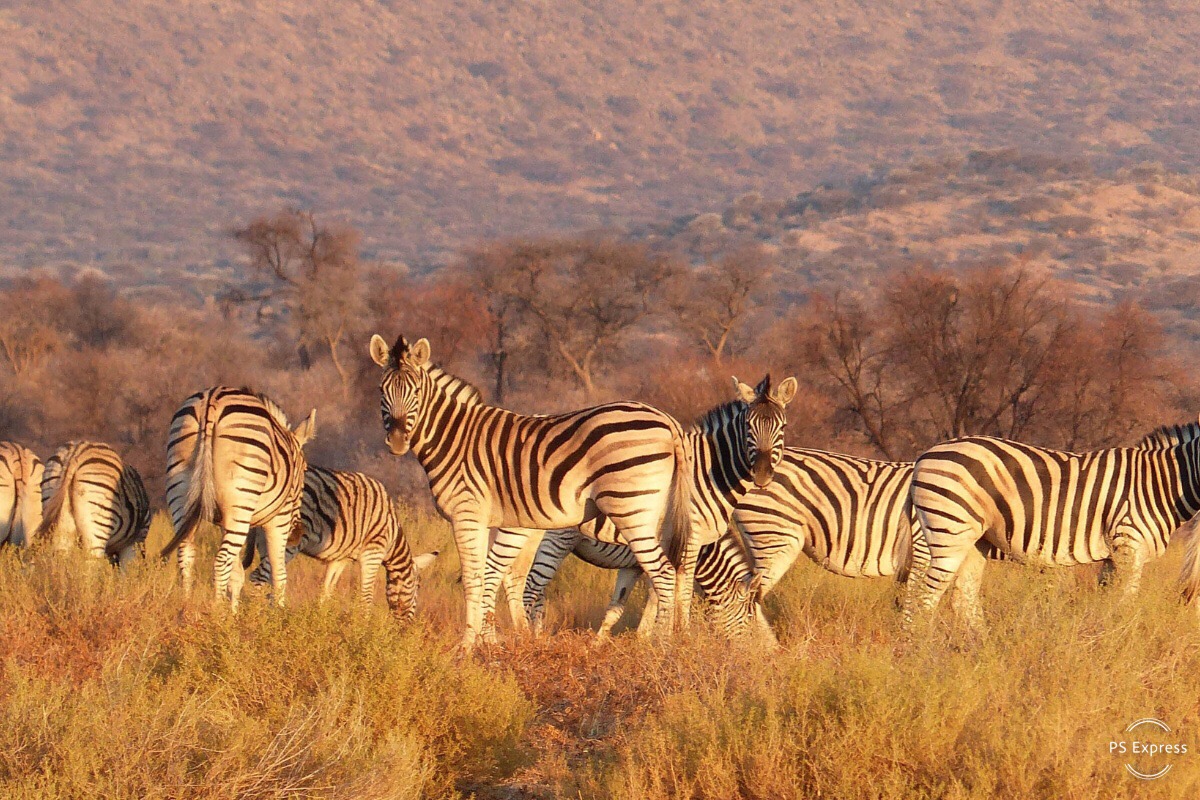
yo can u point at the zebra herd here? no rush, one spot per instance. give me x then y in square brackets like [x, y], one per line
[722, 504]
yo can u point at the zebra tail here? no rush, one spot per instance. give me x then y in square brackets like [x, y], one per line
[252, 544]
[902, 552]
[1189, 574]
[58, 504]
[200, 504]
[677, 522]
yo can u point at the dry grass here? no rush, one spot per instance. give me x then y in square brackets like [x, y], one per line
[113, 687]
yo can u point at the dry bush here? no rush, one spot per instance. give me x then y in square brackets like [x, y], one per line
[991, 351]
[116, 688]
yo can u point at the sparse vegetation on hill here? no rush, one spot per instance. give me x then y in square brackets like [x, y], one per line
[134, 133]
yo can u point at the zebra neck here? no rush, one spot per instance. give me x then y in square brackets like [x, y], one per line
[449, 403]
[1178, 485]
[719, 453]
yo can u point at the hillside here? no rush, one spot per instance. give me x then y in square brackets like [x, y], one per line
[133, 134]
[1130, 234]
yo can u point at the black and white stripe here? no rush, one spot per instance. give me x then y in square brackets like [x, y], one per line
[20, 494]
[851, 515]
[233, 460]
[1051, 508]
[489, 467]
[724, 576]
[732, 449]
[348, 517]
[93, 499]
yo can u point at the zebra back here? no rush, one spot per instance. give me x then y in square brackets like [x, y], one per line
[90, 494]
[20, 494]
[1059, 508]
[851, 515]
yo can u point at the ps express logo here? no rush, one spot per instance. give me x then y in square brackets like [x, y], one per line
[1149, 748]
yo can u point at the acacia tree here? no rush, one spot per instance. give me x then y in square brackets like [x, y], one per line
[315, 268]
[713, 302]
[493, 271]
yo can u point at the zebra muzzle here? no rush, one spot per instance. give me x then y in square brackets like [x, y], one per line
[763, 473]
[397, 441]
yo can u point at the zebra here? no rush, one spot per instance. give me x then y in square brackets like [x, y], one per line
[732, 448]
[92, 497]
[489, 467]
[1050, 508]
[20, 494]
[232, 459]
[724, 574]
[345, 517]
[852, 516]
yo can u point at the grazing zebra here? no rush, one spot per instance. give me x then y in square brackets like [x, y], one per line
[346, 517]
[233, 460]
[490, 467]
[723, 572]
[91, 497]
[733, 447]
[20, 494]
[850, 515]
[1050, 508]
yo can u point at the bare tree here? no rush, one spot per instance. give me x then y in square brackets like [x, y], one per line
[992, 351]
[492, 270]
[846, 345]
[583, 295]
[316, 268]
[712, 303]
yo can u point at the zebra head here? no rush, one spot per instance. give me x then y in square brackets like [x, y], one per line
[402, 387]
[766, 420]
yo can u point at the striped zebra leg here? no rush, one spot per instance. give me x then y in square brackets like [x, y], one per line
[333, 574]
[277, 530]
[516, 579]
[228, 574]
[471, 538]
[185, 558]
[553, 550]
[368, 569]
[626, 580]
[504, 550]
[964, 594]
[649, 614]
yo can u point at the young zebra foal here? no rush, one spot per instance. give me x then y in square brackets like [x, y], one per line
[346, 517]
[20, 494]
[232, 459]
[91, 497]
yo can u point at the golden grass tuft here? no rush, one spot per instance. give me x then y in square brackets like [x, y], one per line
[113, 686]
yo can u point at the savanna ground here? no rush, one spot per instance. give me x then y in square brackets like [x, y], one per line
[114, 687]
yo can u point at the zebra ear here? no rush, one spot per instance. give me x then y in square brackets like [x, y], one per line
[785, 392]
[764, 387]
[306, 431]
[418, 354]
[379, 351]
[424, 561]
[744, 392]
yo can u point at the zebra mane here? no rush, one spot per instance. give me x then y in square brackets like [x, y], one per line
[461, 389]
[273, 409]
[715, 418]
[1169, 436]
